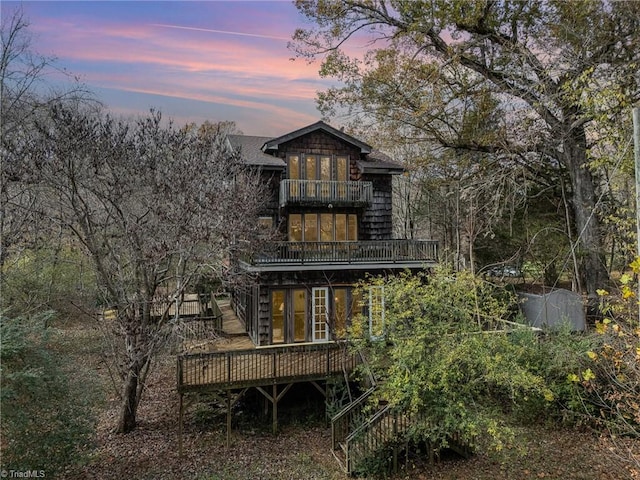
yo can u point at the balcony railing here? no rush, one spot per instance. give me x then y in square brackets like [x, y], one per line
[366, 252]
[264, 366]
[313, 192]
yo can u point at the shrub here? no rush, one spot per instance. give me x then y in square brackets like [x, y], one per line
[450, 359]
[46, 416]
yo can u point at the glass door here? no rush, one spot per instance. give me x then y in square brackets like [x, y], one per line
[294, 176]
[342, 175]
[320, 316]
[299, 314]
[311, 170]
[325, 178]
[277, 316]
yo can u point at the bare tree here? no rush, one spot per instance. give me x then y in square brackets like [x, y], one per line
[25, 94]
[154, 206]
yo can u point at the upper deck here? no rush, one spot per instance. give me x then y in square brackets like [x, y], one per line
[356, 255]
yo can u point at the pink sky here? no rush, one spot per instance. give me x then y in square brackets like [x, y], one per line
[194, 61]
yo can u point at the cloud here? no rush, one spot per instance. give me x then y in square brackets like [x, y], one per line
[242, 34]
[220, 57]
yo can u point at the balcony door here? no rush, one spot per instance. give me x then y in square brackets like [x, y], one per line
[288, 315]
[294, 174]
[324, 175]
[320, 314]
[311, 172]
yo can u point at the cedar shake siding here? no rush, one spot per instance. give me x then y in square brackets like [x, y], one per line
[329, 201]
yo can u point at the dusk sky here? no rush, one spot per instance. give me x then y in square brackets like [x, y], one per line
[194, 61]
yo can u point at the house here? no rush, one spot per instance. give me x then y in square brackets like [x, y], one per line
[327, 223]
[330, 209]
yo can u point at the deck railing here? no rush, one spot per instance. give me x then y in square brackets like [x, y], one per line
[263, 366]
[377, 251]
[337, 193]
[379, 432]
[200, 319]
[345, 421]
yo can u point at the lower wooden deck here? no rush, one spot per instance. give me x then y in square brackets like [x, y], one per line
[230, 360]
[223, 370]
[227, 364]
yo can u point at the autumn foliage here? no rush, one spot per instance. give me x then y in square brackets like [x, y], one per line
[610, 385]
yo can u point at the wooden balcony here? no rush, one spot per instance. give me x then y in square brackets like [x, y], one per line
[394, 253]
[325, 192]
[263, 366]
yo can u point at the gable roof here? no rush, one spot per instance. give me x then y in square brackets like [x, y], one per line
[378, 162]
[251, 150]
[274, 143]
[262, 151]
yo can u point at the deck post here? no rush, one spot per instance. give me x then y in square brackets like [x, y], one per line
[274, 425]
[180, 419]
[228, 418]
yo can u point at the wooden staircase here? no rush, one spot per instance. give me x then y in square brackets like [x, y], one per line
[359, 439]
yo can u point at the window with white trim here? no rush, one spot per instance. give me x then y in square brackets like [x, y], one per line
[376, 311]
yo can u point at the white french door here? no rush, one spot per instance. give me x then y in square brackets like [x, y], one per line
[320, 314]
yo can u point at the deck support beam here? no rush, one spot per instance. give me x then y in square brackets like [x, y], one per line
[274, 398]
[180, 425]
[325, 393]
[231, 401]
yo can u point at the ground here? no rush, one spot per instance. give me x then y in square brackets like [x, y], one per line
[302, 449]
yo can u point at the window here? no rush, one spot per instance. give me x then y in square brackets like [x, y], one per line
[277, 316]
[311, 167]
[310, 227]
[295, 227]
[299, 315]
[318, 167]
[376, 311]
[294, 174]
[324, 227]
[340, 312]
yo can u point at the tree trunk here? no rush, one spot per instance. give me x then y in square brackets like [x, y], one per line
[129, 405]
[137, 354]
[593, 270]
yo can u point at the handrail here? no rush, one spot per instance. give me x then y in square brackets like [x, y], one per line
[217, 313]
[357, 193]
[350, 252]
[342, 421]
[385, 426]
[262, 366]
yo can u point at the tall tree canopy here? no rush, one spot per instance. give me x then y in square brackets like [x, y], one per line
[535, 83]
[154, 206]
[25, 94]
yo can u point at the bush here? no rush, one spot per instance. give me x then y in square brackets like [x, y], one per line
[48, 278]
[450, 359]
[46, 415]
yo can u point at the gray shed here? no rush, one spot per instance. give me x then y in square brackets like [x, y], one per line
[553, 309]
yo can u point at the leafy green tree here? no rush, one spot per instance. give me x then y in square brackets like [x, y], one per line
[47, 419]
[530, 83]
[609, 382]
[451, 359]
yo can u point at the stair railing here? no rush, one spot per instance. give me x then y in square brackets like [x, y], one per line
[378, 432]
[342, 422]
